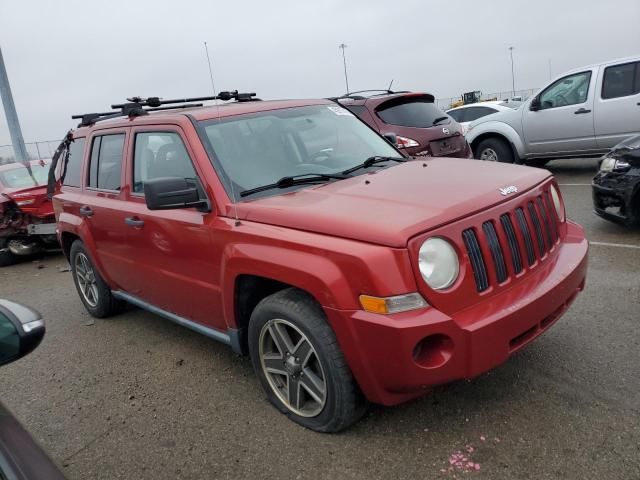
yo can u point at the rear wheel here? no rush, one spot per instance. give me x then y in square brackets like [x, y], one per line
[494, 150]
[94, 292]
[300, 366]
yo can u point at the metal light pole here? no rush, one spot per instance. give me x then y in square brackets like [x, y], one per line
[19, 149]
[344, 60]
[513, 77]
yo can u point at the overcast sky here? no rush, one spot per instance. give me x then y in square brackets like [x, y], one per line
[79, 56]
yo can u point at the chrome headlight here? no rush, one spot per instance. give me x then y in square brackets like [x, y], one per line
[557, 203]
[438, 263]
[610, 164]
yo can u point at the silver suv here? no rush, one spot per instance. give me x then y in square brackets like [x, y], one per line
[581, 113]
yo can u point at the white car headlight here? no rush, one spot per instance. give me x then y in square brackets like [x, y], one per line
[438, 263]
[557, 203]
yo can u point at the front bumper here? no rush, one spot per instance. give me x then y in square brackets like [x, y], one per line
[612, 195]
[397, 357]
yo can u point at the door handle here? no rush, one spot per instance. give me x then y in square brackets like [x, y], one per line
[134, 222]
[582, 110]
[86, 211]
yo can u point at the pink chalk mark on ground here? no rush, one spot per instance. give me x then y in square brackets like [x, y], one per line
[461, 462]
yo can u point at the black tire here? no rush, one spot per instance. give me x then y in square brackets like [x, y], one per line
[494, 149]
[343, 401]
[105, 305]
[6, 257]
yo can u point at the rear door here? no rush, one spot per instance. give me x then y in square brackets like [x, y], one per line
[176, 269]
[101, 205]
[564, 122]
[617, 107]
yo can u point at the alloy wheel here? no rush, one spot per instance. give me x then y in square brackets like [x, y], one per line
[292, 368]
[489, 154]
[86, 277]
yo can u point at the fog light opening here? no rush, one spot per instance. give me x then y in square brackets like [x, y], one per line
[433, 351]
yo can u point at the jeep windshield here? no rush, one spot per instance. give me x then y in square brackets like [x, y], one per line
[321, 141]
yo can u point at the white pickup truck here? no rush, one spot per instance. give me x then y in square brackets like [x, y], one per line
[582, 113]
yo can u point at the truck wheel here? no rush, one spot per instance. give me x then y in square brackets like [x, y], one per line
[94, 292]
[300, 365]
[494, 150]
[6, 257]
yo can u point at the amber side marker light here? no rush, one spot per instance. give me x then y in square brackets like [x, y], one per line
[395, 304]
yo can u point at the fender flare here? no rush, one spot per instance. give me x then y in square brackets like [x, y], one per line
[497, 129]
[315, 274]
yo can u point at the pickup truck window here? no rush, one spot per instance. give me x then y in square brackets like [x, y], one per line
[159, 154]
[621, 80]
[106, 162]
[570, 90]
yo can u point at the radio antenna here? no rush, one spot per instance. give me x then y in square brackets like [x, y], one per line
[215, 94]
[389, 87]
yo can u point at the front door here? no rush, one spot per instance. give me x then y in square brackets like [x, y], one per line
[175, 268]
[563, 124]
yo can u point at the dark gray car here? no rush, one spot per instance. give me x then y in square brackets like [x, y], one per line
[21, 458]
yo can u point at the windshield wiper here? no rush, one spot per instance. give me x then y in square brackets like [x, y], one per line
[372, 161]
[286, 182]
[438, 120]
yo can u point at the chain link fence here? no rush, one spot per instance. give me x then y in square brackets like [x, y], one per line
[36, 150]
[445, 103]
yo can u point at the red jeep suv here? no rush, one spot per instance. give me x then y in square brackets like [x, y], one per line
[421, 128]
[294, 233]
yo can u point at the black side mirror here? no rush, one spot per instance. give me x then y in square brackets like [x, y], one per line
[392, 138]
[21, 331]
[535, 104]
[173, 192]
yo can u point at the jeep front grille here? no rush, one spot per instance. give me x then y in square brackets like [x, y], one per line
[513, 236]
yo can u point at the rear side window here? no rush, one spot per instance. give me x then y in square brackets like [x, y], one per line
[411, 112]
[157, 155]
[621, 80]
[71, 172]
[457, 115]
[106, 162]
[359, 110]
[474, 113]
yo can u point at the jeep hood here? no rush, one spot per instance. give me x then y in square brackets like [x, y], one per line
[392, 205]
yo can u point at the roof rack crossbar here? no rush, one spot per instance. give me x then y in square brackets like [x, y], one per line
[134, 106]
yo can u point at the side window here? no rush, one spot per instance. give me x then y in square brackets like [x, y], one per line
[159, 154]
[621, 80]
[71, 172]
[105, 165]
[458, 115]
[569, 90]
[475, 113]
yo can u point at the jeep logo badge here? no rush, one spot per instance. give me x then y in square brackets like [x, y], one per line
[445, 131]
[507, 190]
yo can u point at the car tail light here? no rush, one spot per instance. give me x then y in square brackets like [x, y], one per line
[404, 142]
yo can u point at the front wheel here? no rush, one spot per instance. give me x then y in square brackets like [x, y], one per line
[494, 150]
[296, 356]
[6, 256]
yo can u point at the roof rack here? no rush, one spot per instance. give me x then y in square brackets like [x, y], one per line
[138, 106]
[354, 96]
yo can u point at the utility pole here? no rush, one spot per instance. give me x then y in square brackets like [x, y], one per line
[342, 46]
[513, 77]
[19, 148]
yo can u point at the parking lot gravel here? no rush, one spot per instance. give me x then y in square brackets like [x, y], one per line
[136, 396]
